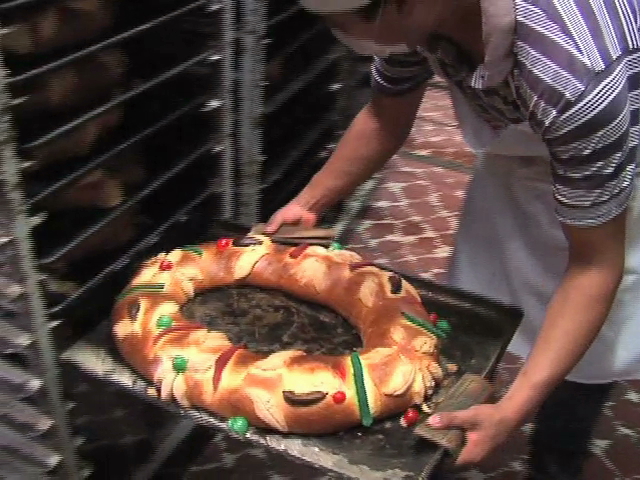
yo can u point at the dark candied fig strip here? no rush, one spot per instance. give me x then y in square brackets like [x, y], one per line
[396, 283]
[133, 309]
[358, 265]
[305, 399]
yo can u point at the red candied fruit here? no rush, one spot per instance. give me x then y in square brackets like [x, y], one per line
[224, 243]
[339, 397]
[165, 265]
[298, 250]
[341, 371]
[410, 417]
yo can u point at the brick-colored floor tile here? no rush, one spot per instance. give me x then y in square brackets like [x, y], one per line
[411, 226]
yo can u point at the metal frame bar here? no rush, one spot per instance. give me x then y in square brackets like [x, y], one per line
[171, 436]
[228, 107]
[252, 29]
[43, 359]
[21, 291]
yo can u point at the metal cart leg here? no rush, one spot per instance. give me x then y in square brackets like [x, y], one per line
[171, 437]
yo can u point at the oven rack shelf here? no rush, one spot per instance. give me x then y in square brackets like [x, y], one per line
[50, 64]
[152, 186]
[35, 381]
[322, 125]
[291, 89]
[261, 101]
[120, 99]
[283, 13]
[79, 169]
[39, 433]
[241, 181]
[136, 253]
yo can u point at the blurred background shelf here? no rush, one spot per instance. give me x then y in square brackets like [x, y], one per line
[127, 129]
[296, 84]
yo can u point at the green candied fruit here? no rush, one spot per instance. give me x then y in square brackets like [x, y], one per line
[164, 321]
[427, 326]
[443, 326]
[180, 364]
[335, 246]
[193, 249]
[239, 425]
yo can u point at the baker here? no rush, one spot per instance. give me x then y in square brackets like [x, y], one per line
[547, 96]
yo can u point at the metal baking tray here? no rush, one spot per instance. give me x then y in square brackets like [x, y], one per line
[268, 320]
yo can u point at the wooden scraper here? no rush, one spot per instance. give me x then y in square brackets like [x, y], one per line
[293, 234]
[468, 391]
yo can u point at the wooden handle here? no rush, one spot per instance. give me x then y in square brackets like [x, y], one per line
[294, 231]
[325, 242]
[470, 390]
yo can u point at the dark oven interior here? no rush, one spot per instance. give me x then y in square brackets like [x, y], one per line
[124, 120]
[304, 85]
[119, 114]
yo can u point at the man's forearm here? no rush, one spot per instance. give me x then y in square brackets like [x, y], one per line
[574, 318]
[362, 151]
[374, 136]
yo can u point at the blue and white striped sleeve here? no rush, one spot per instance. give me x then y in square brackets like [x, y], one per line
[593, 146]
[400, 74]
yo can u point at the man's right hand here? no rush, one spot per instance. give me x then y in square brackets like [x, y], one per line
[373, 137]
[291, 214]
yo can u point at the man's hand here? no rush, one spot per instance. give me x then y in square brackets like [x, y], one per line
[486, 427]
[374, 136]
[294, 214]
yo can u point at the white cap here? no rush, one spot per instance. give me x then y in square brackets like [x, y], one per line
[333, 6]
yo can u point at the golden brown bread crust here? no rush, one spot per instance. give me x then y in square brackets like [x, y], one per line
[63, 24]
[78, 142]
[117, 233]
[97, 189]
[75, 85]
[288, 391]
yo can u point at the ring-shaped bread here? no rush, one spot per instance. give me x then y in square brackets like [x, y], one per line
[288, 391]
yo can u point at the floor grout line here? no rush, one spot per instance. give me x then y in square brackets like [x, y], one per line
[438, 162]
[508, 463]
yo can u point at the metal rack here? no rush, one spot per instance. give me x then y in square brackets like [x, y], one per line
[126, 130]
[293, 94]
[108, 110]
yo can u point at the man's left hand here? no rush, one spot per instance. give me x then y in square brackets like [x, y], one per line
[486, 427]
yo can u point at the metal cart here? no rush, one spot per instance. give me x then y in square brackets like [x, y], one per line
[129, 128]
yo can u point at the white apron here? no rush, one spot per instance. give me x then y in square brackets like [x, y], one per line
[510, 246]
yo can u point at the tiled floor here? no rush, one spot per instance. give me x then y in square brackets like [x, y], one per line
[410, 225]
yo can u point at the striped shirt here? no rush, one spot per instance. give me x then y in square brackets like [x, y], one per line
[569, 68]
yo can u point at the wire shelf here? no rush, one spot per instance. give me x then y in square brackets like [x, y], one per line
[179, 84]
